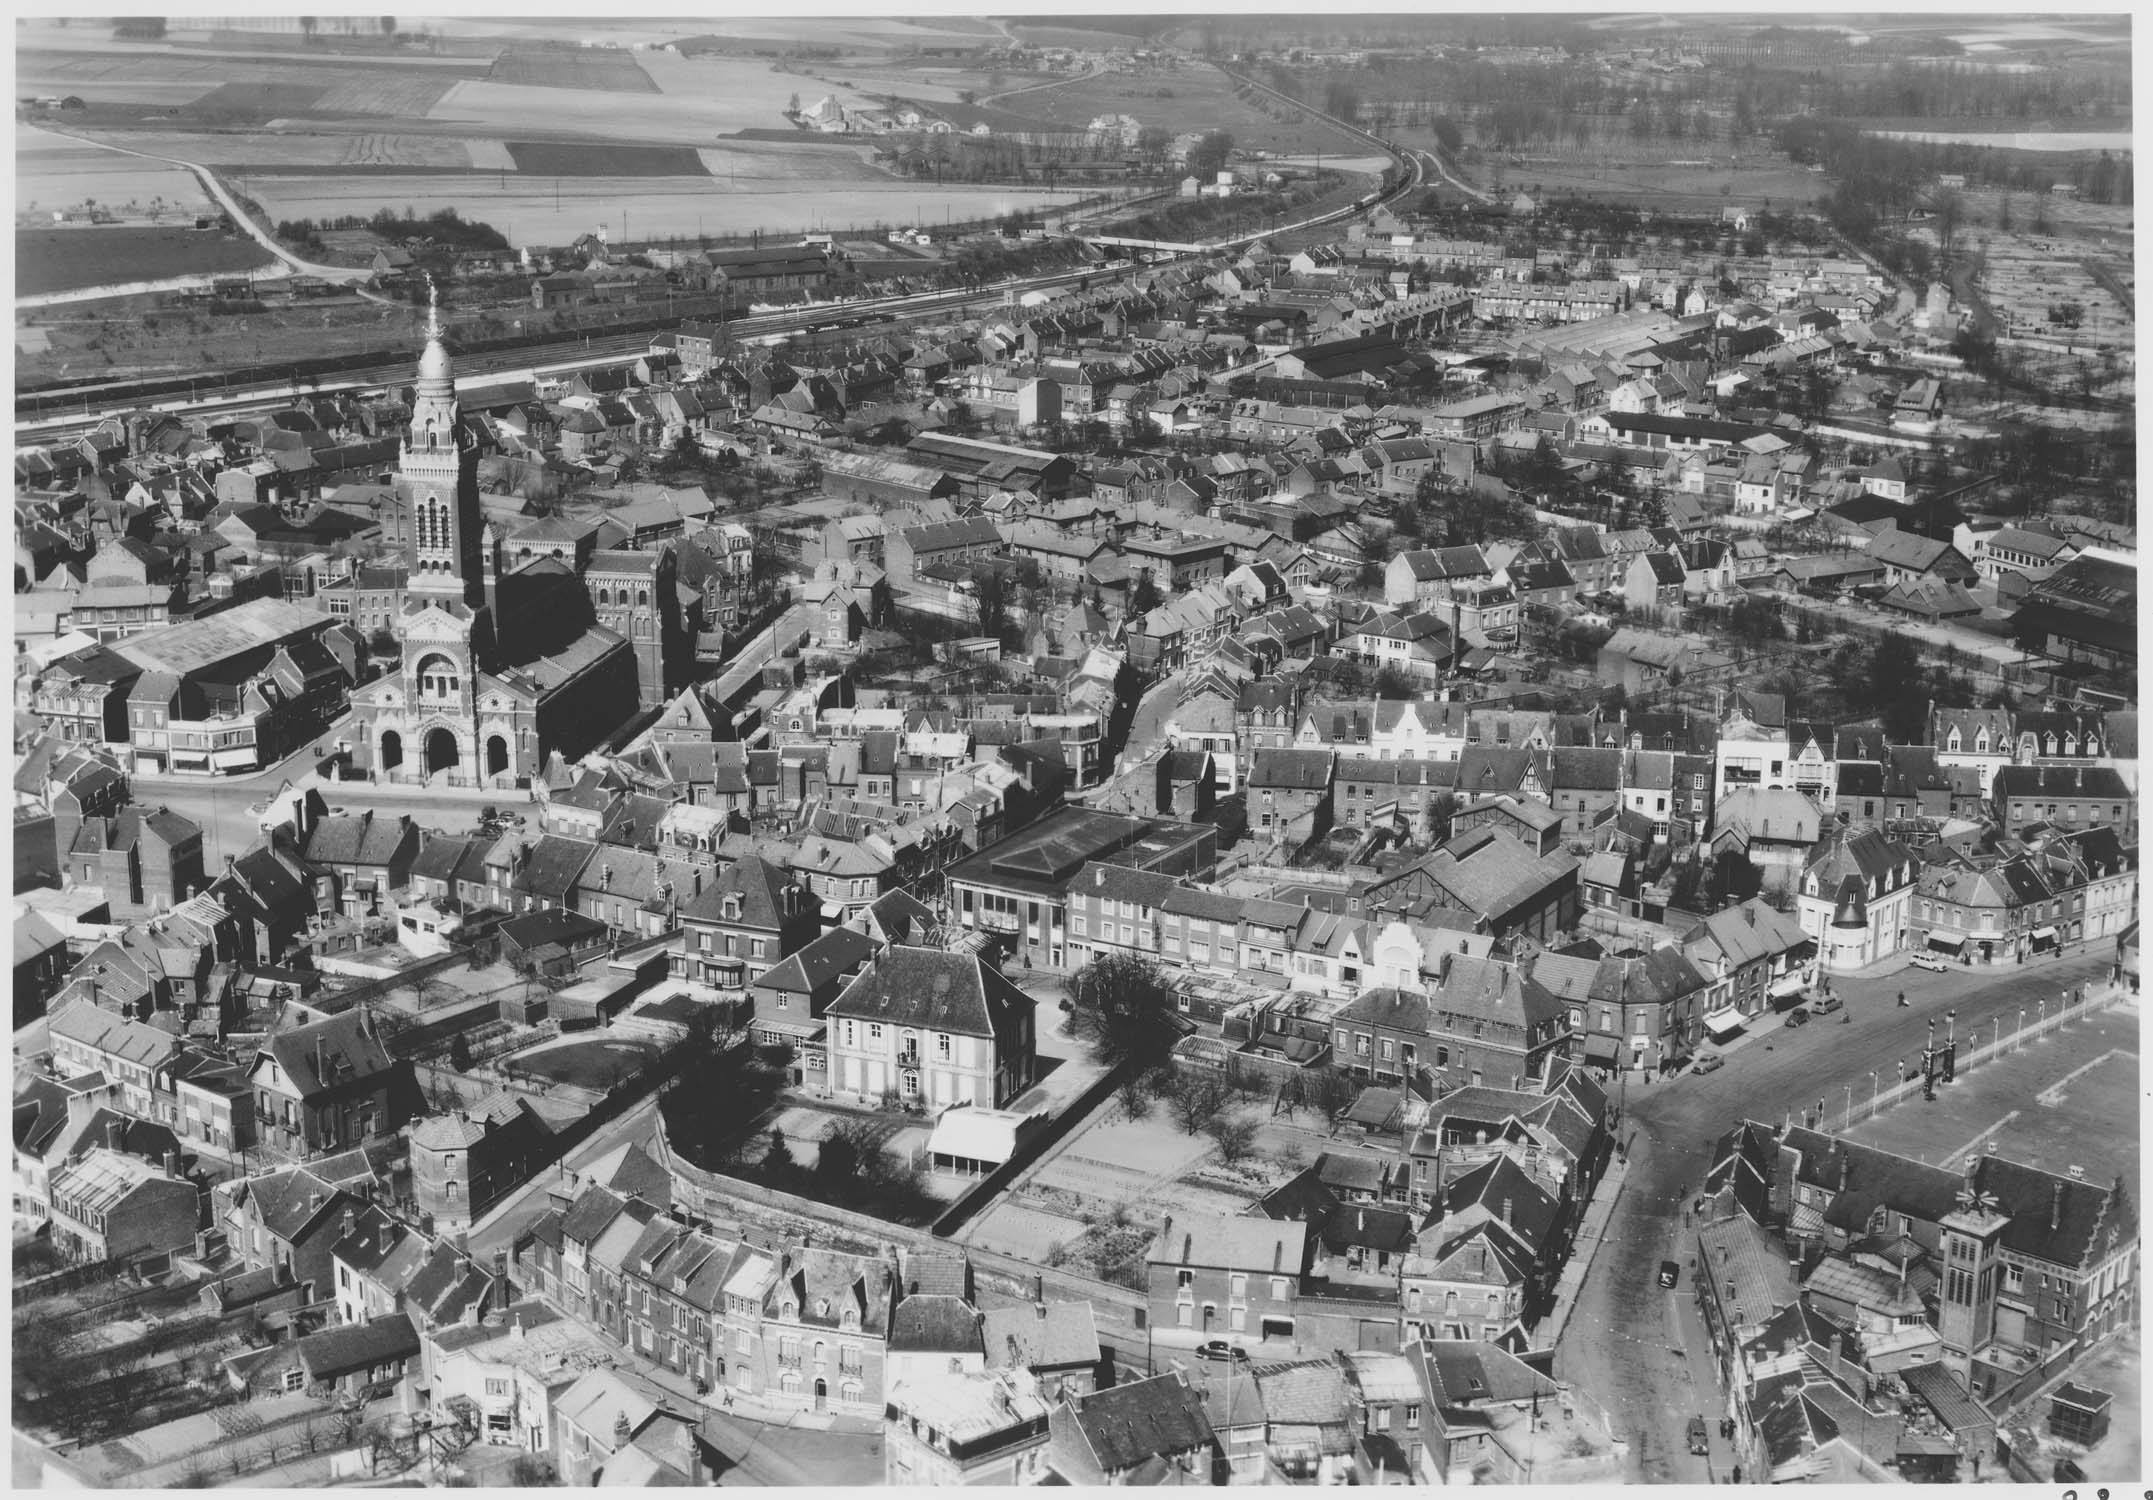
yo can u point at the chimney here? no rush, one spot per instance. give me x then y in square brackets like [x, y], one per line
[116, 1137]
[171, 1164]
[2055, 1210]
[350, 1219]
[501, 1288]
[1039, 1292]
[1506, 1210]
[622, 1432]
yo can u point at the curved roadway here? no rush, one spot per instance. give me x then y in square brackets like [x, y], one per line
[230, 204]
[1623, 1342]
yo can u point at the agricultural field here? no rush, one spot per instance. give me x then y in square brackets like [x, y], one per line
[562, 67]
[1080, 38]
[275, 151]
[60, 260]
[886, 33]
[550, 212]
[576, 159]
[2021, 140]
[1180, 100]
[56, 171]
[1703, 178]
[700, 101]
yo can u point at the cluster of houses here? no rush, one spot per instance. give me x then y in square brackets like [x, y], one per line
[1248, 732]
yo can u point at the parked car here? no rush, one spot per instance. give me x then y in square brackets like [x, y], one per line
[1700, 1438]
[1710, 1064]
[1797, 1017]
[1934, 963]
[1829, 1005]
[1220, 1350]
[1670, 1273]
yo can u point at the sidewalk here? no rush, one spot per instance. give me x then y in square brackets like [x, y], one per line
[1584, 1246]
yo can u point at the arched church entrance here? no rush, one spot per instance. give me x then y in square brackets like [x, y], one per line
[392, 750]
[496, 755]
[441, 751]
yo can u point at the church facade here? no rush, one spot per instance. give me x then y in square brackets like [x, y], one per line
[498, 670]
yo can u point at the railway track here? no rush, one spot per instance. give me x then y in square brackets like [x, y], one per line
[58, 416]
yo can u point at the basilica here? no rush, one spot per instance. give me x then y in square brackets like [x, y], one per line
[503, 662]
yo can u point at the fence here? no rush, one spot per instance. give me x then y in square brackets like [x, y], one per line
[2002, 1044]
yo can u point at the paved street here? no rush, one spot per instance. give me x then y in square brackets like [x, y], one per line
[1633, 1344]
[220, 804]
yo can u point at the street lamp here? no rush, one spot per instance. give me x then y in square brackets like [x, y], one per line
[2021, 1028]
[1849, 1107]
[1872, 1093]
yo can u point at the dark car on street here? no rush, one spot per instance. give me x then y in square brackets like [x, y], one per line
[1797, 1018]
[1670, 1273]
[1700, 1437]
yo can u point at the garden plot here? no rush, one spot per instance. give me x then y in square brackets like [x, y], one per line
[2025, 276]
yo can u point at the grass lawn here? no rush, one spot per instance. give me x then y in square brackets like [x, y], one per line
[59, 260]
[594, 1065]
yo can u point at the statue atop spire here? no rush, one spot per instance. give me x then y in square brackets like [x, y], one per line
[435, 379]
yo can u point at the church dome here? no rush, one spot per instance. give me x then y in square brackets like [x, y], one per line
[434, 365]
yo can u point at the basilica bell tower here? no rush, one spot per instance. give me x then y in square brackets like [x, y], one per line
[437, 489]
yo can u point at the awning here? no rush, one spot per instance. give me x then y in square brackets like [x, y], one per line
[234, 760]
[1789, 984]
[1724, 1022]
[2044, 934]
[1949, 942]
[1601, 1049]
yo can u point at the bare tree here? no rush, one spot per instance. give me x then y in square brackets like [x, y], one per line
[1193, 1097]
[1234, 1136]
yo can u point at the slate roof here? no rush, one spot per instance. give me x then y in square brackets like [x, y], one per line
[329, 1053]
[761, 886]
[932, 989]
[1466, 1373]
[1042, 1336]
[1126, 1424]
[1291, 770]
[348, 1348]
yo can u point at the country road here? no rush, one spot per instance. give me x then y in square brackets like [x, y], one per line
[223, 195]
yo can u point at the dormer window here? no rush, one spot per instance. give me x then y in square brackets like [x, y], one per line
[822, 1307]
